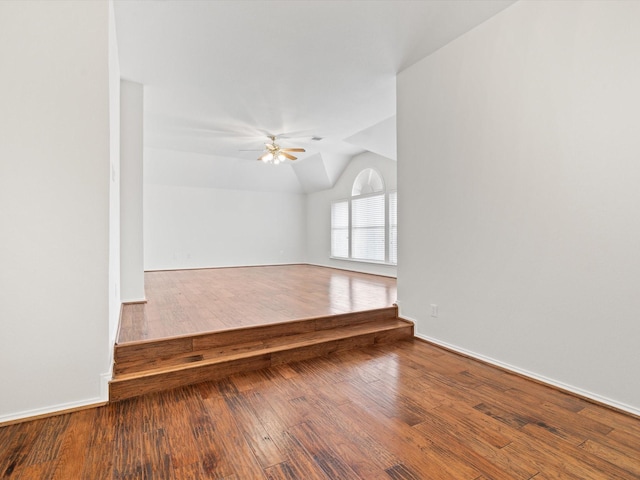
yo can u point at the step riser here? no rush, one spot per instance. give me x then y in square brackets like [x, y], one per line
[169, 380]
[272, 345]
[122, 389]
[286, 343]
[143, 355]
[328, 348]
[180, 358]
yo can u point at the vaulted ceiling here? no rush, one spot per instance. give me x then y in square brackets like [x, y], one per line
[219, 76]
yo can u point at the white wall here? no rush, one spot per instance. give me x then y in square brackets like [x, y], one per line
[190, 222]
[54, 205]
[519, 179]
[318, 214]
[194, 227]
[131, 181]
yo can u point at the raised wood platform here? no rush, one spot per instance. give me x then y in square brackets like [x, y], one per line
[201, 325]
[152, 366]
[189, 302]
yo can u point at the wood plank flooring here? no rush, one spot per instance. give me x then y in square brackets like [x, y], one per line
[407, 410]
[188, 302]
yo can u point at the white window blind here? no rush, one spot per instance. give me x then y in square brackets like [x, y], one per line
[393, 228]
[368, 228]
[340, 229]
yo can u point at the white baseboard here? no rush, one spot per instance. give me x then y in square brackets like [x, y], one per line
[60, 409]
[355, 269]
[131, 301]
[51, 410]
[525, 373]
[105, 378]
[211, 267]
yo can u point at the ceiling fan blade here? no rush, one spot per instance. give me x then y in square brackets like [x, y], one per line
[292, 150]
[270, 146]
[294, 134]
[290, 157]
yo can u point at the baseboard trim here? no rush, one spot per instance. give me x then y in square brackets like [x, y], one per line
[380, 274]
[105, 379]
[39, 413]
[175, 269]
[549, 382]
[335, 267]
[134, 302]
[61, 409]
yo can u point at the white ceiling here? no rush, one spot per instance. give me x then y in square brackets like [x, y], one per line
[220, 75]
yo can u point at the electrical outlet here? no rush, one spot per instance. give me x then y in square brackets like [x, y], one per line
[434, 310]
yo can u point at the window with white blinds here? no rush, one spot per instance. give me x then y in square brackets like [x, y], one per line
[340, 229]
[368, 228]
[365, 227]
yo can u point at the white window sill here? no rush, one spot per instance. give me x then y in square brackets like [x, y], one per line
[371, 262]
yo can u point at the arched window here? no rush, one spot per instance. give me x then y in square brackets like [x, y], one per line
[368, 181]
[364, 227]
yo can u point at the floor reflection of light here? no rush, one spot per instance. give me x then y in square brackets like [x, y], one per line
[339, 292]
[348, 293]
[391, 367]
[388, 373]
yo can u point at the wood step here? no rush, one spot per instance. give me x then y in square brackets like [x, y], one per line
[139, 356]
[272, 345]
[186, 368]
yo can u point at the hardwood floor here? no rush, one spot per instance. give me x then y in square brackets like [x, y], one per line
[407, 410]
[188, 302]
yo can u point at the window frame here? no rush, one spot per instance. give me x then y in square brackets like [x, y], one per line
[350, 229]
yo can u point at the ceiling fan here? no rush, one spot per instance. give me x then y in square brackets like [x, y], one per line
[275, 154]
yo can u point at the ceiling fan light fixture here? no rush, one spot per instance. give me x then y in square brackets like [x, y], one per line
[275, 154]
